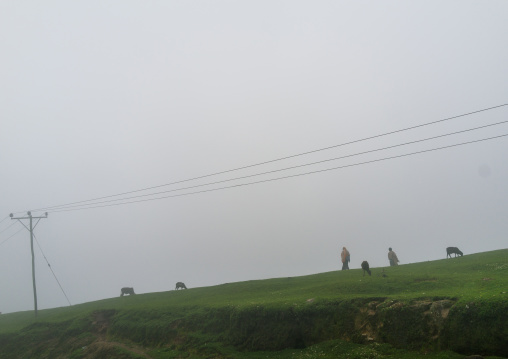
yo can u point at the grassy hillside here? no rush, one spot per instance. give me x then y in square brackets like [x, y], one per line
[456, 304]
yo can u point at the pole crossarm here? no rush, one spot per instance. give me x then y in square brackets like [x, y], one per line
[46, 216]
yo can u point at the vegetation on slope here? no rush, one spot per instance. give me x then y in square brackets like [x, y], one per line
[457, 304]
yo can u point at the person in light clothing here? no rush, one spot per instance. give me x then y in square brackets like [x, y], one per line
[345, 258]
[392, 257]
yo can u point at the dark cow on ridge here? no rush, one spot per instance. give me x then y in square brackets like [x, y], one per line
[126, 290]
[180, 285]
[365, 267]
[453, 250]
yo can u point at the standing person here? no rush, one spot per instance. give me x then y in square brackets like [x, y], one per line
[344, 256]
[392, 257]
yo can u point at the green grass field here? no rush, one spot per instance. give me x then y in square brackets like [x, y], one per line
[314, 316]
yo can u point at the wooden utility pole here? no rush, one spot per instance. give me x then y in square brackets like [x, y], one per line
[31, 230]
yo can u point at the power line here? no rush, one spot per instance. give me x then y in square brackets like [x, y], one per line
[287, 168]
[274, 160]
[40, 248]
[12, 224]
[51, 269]
[290, 176]
[5, 240]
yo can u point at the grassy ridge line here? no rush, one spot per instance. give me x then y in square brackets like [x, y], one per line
[481, 276]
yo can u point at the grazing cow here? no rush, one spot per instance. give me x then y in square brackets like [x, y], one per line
[365, 267]
[126, 290]
[180, 285]
[453, 250]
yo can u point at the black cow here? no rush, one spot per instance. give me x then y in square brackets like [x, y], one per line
[126, 290]
[453, 250]
[180, 285]
[365, 267]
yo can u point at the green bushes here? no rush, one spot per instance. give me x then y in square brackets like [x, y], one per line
[144, 326]
[46, 340]
[479, 326]
[416, 325]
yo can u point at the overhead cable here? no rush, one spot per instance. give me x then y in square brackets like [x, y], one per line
[51, 269]
[12, 224]
[270, 161]
[289, 176]
[5, 240]
[282, 169]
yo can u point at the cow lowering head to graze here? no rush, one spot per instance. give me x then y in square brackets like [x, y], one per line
[365, 267]
[126, 290]
[453, 250]
[180, 285]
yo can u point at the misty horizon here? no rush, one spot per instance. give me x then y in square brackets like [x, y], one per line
[211, 143]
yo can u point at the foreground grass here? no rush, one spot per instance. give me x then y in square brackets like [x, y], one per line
[469, 281]
[332, 349]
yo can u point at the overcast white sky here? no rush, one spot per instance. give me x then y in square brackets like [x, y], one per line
[99, 98]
